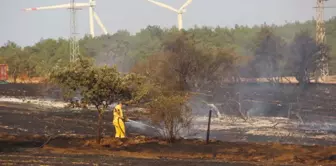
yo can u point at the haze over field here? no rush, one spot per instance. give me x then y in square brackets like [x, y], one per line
[118, 15]
[248, 64]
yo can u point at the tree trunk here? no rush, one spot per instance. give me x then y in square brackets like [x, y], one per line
[14, 77]
[171, 131]
[99, 126]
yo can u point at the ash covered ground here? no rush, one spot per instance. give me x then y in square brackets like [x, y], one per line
[266, 115]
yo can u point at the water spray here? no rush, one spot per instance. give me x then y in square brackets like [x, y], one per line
[145, 128]
[214, 108]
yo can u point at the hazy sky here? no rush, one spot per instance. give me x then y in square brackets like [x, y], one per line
[27, 28]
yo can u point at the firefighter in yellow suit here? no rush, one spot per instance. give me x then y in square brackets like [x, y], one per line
[118, 121]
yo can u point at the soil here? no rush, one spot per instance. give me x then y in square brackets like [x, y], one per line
[20, 89]
[24, 119]
[69, 160]
[25, 127]
[140, 150]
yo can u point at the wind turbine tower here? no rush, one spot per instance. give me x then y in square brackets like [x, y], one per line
[74, 6]
[74, 46]
[320, 38]
[179, 11]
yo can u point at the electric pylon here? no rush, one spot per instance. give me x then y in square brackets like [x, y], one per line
[321, 39]
[74, 46]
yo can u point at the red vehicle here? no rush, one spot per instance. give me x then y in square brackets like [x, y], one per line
[3, 72]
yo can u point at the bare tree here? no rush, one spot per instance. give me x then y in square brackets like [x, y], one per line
[269, 52]
[304, 59]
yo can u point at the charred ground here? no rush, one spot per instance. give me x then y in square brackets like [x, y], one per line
[26, 127]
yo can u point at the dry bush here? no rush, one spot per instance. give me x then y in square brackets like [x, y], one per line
[171, 115]
[233, 105]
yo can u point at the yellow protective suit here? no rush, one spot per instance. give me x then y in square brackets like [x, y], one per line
[118, 122]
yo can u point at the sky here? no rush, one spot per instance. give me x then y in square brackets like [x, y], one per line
[27, 28]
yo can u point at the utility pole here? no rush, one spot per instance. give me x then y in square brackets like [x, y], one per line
[74, 46]
[321, 39]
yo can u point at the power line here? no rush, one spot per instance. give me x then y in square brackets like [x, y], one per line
[321, 39]
[74, 46]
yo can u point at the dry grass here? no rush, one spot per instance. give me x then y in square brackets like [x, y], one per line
[142, 147]
[33, 80]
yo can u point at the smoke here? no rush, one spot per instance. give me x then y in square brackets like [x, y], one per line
[123, 63]
[268, 110]
[198, 106]
[143, 128]
[266, 97]
[255, 99]
[112, 50]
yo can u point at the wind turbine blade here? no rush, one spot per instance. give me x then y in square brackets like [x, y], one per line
[63, 6]
[164, 5]
[49, 7]
[99, 22]
[185, 5]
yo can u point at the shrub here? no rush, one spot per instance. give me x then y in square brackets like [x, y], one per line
[171, 114]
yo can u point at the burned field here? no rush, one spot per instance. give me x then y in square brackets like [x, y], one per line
[266, 113]
[140, 150]
[69, 160]
[26, 127]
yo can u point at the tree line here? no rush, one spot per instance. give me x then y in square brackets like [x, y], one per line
[126, 49]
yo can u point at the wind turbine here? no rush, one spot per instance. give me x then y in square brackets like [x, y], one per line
[179, 11]
[92, 14]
